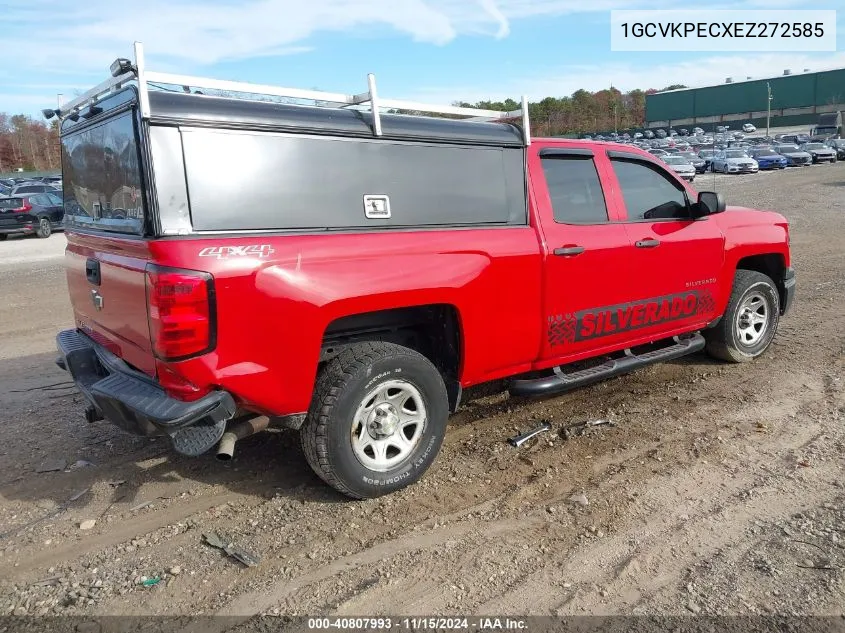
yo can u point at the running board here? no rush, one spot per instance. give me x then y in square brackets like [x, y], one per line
[561, 382]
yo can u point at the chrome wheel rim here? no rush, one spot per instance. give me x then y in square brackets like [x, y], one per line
[45, 226]
[752, 319]
[388, 425]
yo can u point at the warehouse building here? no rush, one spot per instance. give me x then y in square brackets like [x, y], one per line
[796, 99]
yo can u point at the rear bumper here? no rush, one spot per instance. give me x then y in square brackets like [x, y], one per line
[129, 399]
[24, 229]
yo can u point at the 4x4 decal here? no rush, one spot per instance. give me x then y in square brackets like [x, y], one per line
[251, 250]
[603, 321]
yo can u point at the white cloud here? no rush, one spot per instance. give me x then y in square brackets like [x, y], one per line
[87, 35]
[78, 40]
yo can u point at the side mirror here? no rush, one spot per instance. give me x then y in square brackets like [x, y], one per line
[710, 202]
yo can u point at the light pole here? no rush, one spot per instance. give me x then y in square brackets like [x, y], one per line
[768, 108]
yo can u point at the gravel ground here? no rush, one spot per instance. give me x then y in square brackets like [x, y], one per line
[718, 491]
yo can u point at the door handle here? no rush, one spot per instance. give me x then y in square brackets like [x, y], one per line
[569, 251]
[92, 271]
[647, 243]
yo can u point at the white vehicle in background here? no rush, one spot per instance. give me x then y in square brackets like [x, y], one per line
[748, 128]
[680, 165]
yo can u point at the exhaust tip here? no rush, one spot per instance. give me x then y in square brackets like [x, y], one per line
[224, 457]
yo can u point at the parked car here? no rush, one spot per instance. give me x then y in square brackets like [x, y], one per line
[177, 307]
[707, 156]
[31, 187]
[681, 166]
[820, 152]
[699, 163]
[767, 158]
[793, 139]
[734, 161]
[658, 152]
[33, 214]
[794, 156]
[661, 133]
[837, 144]
[748, 128]
[638, 135]
[648, 134]
[697, 131]
[5, 190]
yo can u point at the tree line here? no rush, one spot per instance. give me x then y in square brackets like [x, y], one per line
[582, 112]
[28, 144]
[33, 145]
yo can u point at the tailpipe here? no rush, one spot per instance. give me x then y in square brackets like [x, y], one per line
[238, 431]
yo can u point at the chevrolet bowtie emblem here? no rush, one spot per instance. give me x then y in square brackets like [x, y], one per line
[97, 299]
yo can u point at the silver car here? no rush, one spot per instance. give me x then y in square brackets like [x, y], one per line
[734, 161]
[794, 156]
[680, 165]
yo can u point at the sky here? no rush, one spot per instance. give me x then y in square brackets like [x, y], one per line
[437, 51]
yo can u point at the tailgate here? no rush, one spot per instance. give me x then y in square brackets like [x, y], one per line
[11, 215]
[106, 282]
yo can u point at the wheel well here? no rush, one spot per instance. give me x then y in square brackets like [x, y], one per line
[431, 330]
[771, 265]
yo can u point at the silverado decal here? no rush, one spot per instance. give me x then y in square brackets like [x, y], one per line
[595, 322]
[251, 250]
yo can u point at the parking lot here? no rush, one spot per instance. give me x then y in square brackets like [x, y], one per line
[718, 488]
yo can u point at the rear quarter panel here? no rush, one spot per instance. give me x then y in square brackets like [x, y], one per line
[272, 310]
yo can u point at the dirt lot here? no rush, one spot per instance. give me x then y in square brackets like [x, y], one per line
[718, 491]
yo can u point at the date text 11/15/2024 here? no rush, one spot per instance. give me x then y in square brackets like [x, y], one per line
[418, 624]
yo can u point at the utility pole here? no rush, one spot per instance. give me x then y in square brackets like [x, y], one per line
[769, 108]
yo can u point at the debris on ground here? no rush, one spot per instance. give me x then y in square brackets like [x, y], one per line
[150, 582]
[88, 524]
[580, 499]
[238, 553]
[81, 463]
[577, 430]
[519, 440]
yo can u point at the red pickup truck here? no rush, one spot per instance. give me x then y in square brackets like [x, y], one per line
[235, 263]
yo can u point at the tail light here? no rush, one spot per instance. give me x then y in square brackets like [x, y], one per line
[181, 312]
[26, 208]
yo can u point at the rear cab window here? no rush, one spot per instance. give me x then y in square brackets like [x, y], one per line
[575, 189]
[102, 176]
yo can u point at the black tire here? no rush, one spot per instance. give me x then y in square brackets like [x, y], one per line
[726, 341]
[44, 228]
[342, 386]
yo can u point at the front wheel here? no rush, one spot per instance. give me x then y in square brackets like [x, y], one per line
[377, 419]
[44, 228]
[750, 321]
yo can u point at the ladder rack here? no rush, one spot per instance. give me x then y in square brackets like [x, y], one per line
[124, 72]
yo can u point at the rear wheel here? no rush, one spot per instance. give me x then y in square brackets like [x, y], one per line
[44, 228]
[750, 321]
[377, 419]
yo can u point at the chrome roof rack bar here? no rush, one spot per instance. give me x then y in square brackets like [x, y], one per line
[377, 105]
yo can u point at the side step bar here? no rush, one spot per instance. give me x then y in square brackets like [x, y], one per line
[561, 382]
